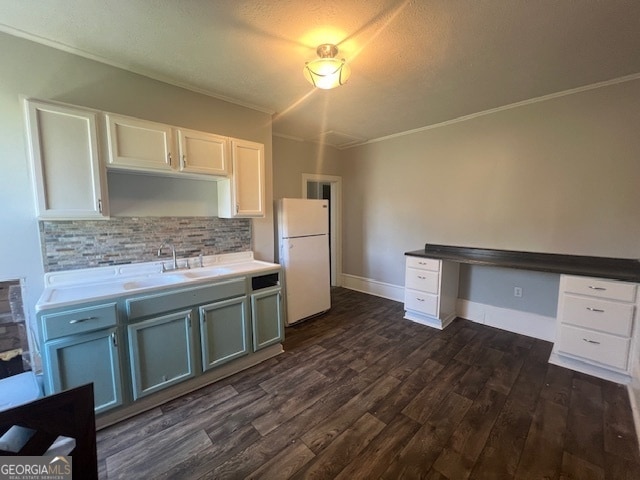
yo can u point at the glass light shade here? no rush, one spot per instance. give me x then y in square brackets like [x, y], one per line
[327, 73]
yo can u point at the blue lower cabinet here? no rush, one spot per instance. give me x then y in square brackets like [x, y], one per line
[86, 358]
[224, 331]
[266, 311]
[161, 352]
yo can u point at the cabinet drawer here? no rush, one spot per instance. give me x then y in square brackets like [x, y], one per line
[71, 322]
[422, 280]
[598, 314]
[597, 287]
[423, 263]
[421, 302]
[169, 301]
[596, 346]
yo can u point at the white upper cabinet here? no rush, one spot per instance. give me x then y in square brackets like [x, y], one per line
[139, 144]
[243, 194]
[65, 157]
[203, 153]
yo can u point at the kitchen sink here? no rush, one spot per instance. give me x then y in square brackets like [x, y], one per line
[207, 272]
[155, 281]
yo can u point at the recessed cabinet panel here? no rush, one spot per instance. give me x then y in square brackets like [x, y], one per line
[203, 153]
[162, 352]
[139, 144]
[87, 358]
[243, 194]
[266, 308]
[224, 332]
[65, 159]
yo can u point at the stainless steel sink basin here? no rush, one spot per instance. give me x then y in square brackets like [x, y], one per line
[155, 281]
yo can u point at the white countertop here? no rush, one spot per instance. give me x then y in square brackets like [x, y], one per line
[68, 287]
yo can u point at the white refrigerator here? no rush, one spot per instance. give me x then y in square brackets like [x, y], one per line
[303, 249]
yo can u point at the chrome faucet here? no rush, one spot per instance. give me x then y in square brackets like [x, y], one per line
[173, 252]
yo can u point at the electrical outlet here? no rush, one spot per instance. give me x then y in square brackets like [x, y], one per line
[517, 291]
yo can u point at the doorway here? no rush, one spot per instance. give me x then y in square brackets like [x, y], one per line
[328, 187]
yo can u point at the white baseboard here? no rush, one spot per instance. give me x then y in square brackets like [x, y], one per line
[524, 323]
[373, 287]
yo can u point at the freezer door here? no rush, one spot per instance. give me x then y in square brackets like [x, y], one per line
[298, 217]
[306, 272]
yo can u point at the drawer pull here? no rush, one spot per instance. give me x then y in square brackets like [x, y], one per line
[114, 339]
[591, 341]
[591, 309]
[80, 320]
[597, 288]
[421, 277]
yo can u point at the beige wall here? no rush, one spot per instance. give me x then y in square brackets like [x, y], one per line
[559, 176]
[37, 71]
[292, 158]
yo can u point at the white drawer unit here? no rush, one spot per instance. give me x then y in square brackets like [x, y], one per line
[431, 290]
[596, 325]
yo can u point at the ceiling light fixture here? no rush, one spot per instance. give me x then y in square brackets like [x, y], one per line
[327, 71]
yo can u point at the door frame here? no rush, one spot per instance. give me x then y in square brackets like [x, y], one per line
[335, 219]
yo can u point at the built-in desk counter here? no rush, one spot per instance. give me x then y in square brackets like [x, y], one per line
[598, 301]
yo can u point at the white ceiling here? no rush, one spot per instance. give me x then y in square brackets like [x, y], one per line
[414, 63]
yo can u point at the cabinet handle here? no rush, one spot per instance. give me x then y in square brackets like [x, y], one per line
[420, 299]
[80, 320]
[421, 277]
[169, 158]
[597, 288]
[237, 208]
[591, 309]
[100, 205]
[591, 341]
[114, 339]
[184, 160]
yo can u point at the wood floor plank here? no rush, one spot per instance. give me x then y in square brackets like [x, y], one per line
[426, 401]
[162, 452]
[619, 434]
[376, 457]
[377, 396]
[417, 458]
[546, 434]
[345, 448]
[469, 438]
[285, 464]
[575, 468]
[318, 437]
[390, 406]
[215, 405]
[585, 428]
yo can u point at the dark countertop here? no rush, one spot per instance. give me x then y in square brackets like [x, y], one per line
[626, 269]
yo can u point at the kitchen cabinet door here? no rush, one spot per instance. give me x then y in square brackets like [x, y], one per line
[202, 152]
[86, 358]
[161, 351]
[243, 195]
[67, 172]
[139, 145]
[224, 331]
[266, 317]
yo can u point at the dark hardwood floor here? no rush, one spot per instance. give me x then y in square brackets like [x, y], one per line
[361, 393]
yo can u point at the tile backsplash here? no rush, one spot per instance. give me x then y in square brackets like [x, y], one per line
[73, 244]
